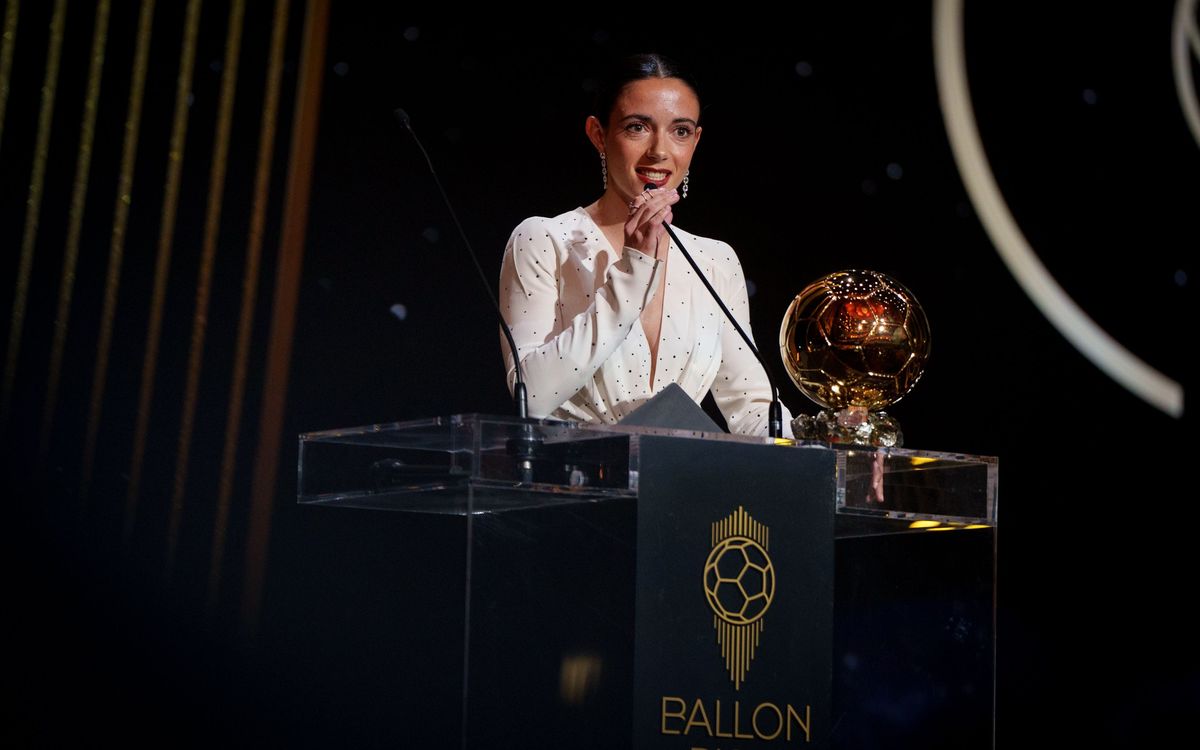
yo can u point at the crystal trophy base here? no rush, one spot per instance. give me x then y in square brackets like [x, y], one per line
[851, 426]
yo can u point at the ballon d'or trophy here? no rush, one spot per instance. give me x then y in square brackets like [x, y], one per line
[854, 342]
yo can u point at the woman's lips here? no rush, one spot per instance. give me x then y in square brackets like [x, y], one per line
[656, 177]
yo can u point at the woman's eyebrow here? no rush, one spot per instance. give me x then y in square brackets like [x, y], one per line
[649, 119]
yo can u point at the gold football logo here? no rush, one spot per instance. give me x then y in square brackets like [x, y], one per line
[739, 582]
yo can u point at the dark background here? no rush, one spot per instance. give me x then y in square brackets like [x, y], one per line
[823, 149]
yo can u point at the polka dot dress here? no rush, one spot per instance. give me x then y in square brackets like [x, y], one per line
[574, 306]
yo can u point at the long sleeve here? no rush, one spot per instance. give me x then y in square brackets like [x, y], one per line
[741, 389]
[560, 355]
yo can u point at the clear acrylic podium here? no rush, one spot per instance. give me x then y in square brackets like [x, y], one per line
[490, 568]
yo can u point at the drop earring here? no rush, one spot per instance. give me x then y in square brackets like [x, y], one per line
[604, 169]
[683, 188]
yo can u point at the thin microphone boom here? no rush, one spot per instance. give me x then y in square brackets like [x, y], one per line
[519, 391]
[775, 410]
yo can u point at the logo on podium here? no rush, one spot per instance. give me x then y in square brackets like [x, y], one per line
[739, 583]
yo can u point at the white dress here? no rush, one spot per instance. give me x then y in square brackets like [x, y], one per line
[574, 308]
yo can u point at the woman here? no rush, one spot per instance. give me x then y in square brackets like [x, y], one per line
[604, 309]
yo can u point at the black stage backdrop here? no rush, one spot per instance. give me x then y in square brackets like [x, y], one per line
[824, 148]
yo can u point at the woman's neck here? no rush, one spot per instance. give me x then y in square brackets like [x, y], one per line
[609, 210]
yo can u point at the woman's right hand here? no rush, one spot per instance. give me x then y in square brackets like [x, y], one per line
[648, 212]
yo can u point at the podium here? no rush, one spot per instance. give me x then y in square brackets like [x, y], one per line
[561, 585]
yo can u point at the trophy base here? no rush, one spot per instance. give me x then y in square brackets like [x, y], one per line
[850, 426]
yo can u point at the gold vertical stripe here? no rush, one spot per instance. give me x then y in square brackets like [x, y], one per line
[116, 250]
[212, 227]
[737, 661]
[283, 314]
[749, 648]
[83, 165]
[8, 40]
[741, 655]
[737, 658]
[731, 647]
[233, 417]
[734, 659]
[727, 647]
[162, 267]
[721, 640]
[33, 206]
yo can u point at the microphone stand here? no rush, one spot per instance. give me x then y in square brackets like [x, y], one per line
[775, 410]
[527, 443]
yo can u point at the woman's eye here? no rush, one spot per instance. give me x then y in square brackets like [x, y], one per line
[683, 131]
[635, 127]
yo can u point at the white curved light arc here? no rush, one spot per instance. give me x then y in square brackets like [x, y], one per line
[1183, 30]
[1092, 341]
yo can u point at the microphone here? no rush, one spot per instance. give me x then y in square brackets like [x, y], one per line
[775, 410]
[527, 444]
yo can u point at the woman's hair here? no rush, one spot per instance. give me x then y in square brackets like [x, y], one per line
[626, 70]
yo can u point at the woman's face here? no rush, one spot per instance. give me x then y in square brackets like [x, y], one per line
[650, 135]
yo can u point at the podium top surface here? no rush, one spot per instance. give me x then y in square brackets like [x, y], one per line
[472, 463]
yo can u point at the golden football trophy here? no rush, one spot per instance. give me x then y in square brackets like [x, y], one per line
[854, 342]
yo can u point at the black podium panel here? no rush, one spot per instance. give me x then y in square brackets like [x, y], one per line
[734, 595]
